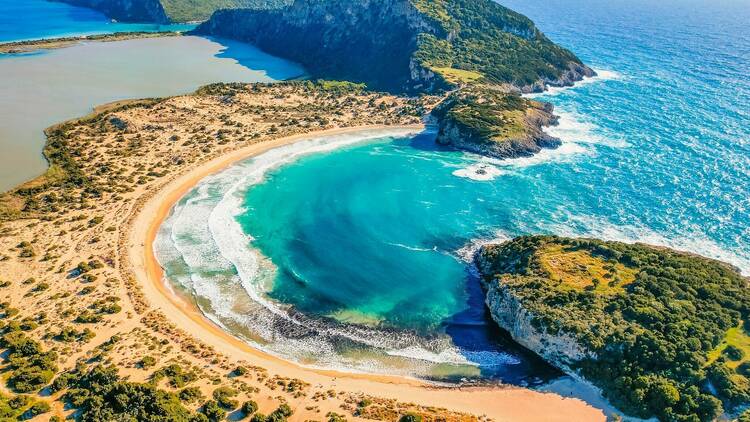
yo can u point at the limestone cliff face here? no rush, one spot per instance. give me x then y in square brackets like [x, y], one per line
[126, 10]
[561, 350]
[370, 41]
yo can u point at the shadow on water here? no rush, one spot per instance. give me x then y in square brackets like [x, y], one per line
[253, 58]
[481, 341]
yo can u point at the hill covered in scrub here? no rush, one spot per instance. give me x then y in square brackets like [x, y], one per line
[405, 45]
[485, 52]
[663, 333]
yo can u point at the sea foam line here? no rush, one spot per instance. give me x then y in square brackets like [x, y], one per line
[225, 236]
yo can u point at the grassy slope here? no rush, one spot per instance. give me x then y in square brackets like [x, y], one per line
[199, 10]
[657, 320]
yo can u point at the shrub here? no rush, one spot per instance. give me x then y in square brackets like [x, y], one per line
[225, 397]
[249, 407]
[213, 411]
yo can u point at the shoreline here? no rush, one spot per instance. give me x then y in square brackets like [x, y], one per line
[29, 46]
[501, 403]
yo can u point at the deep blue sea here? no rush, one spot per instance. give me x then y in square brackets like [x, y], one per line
[353, 251]
[34, 19]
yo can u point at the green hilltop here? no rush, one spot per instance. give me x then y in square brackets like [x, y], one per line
[663, 333]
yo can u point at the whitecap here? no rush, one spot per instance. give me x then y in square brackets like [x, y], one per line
[479, 172]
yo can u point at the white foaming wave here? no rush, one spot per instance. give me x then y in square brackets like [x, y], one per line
[480, 172]
[602, 75]
[697, 242]
[456, 356]
[467, 252]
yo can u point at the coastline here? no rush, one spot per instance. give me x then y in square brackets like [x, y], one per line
[499, 403]
[20, 47]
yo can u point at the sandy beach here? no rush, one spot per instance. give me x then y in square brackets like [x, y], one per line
[78, 254]
[511, 403]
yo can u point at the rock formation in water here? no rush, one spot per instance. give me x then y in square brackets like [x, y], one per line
[494, 123]
[662, 333]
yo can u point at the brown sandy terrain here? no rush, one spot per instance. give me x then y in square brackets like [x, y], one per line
[53, 43]
[114, 177]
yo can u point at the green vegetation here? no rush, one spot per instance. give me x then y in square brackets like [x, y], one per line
[486, 116]
[30, 367]
[199, 10]
[20, 408]
[100, 395]
[489, 40]
[461, 41]
[660, 326]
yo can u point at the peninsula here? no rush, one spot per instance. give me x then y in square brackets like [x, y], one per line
[482, 53]
[663, 333]
[85, 311]
[18, 47]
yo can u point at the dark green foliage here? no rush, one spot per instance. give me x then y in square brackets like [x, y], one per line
[651, 338]
[225, 397]
[374, 44]
[281, 413]
[410, 417]
[20, 408]
[177, 376]
[213, 411]
[733, 353]
[191, 395]
[249, 407]
[499, 43]
[31, 368]
[100, 395]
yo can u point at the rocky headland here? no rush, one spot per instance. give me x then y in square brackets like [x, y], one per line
[662, 333]
[458, 48]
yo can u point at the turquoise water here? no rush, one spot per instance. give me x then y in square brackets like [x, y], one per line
[34, 19]
[357, 256]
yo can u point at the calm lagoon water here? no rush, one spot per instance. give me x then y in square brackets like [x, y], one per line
[43, 88]
[34, 19]
[356, 256]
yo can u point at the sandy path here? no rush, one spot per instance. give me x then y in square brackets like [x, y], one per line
[501, 404]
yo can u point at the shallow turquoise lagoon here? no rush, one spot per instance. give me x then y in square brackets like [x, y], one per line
[357, 256]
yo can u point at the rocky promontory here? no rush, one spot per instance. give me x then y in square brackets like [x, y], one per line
[478, 53]
[407, 46]
[662, 333]
[494, 123]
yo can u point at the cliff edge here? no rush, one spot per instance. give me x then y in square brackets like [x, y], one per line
[662, 333]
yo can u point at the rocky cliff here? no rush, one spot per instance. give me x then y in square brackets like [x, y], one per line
[126, 10]
[507, 310]
[495, 123]
[406, 45]
[661, 332]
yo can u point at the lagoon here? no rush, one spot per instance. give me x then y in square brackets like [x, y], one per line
[42, 88]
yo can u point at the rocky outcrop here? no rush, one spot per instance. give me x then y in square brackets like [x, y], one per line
[410, 46]
[561, 350]
[370, 41]
[575, 73]
[497, 124]
[126, 10]
[461, 136]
